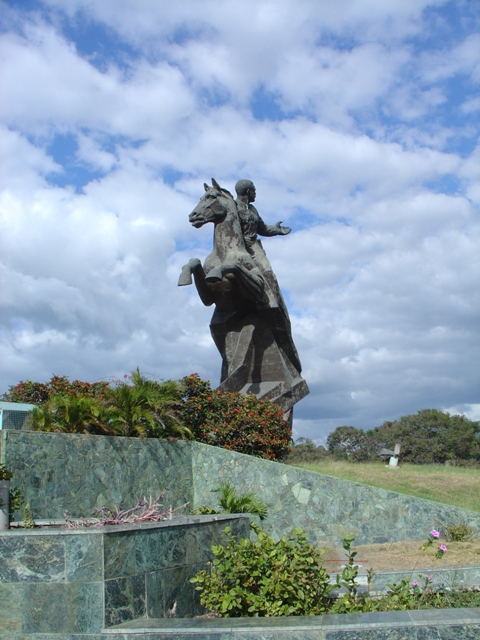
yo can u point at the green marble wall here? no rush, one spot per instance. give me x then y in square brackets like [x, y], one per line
[78, 472]
[82, 581]
[323, 506]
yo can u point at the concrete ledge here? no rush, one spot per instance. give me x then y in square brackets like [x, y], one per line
[438, 623]
[431, 624]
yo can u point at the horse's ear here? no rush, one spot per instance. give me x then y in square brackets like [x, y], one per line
[216, 185]
[205, 186]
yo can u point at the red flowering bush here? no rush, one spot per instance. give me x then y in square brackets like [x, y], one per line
[235, 421]
[39, 392]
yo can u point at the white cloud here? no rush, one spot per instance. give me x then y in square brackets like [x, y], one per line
[470, 411]
[381, 268]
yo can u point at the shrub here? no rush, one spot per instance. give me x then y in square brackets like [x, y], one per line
[235, 421]
[268, 578]
[263, 577]
[141, 406]
[458, 532]
[39, 392]
[136, 406]
[230, 501]
[145, 407]
[71, 414]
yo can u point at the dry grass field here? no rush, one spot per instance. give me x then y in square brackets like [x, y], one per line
[395, 556]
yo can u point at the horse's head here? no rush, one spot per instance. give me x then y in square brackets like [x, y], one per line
[213, 206]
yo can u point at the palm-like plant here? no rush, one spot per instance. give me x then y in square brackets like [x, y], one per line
[128, 412]
[147, 408]
[232, 502]
[72, 414]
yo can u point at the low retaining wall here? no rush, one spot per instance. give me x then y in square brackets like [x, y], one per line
[79, 472]
[324, 506]
[75, 472]
[85, 580]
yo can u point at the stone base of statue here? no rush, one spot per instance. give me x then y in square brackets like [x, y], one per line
[255, 358]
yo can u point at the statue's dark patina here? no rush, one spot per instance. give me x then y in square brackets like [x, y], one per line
[250, 325]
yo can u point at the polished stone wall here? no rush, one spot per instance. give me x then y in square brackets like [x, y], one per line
[85, 580]
[73, 472]
[79, 472]
[325, 507]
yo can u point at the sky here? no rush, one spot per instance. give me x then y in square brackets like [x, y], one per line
[357, 120]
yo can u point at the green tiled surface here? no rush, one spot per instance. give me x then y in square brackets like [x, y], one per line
[52, 468]
[323, 506]
[78, 472]
[80, 581]
[451, 624]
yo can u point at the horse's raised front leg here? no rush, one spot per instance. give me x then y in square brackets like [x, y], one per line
[194, 267]
[186, 274]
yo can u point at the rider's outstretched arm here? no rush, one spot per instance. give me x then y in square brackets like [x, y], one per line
[269, 230]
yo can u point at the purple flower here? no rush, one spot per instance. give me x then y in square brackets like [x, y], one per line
[415, 583]
[434, 533]
[442, 547]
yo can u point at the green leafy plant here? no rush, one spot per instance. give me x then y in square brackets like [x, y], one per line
[408, 594]
[5, 474]
[230, 501]
[264, 577]
[16, 500]
[70, 414]
[28, 521]
[136, 406]
[142, 406]
[351, 601]
[458, 532]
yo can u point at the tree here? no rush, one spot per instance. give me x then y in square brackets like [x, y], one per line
[432, 436]
[305, 450]
[346, 442]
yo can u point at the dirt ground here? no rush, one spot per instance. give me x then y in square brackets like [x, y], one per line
[407, 555]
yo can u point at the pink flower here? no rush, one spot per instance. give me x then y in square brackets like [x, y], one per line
[442, 547]
[415, 583]
[434, 533]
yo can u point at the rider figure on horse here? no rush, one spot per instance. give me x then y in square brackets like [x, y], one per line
[252, 226]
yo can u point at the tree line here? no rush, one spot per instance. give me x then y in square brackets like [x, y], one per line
[430, 436]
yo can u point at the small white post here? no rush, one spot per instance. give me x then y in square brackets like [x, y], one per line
[4, 499]
[393, 462]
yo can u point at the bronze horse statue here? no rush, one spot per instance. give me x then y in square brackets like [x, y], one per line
[252, 335]
[229, 259]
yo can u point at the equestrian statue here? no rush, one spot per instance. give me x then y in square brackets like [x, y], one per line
[250, 325]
